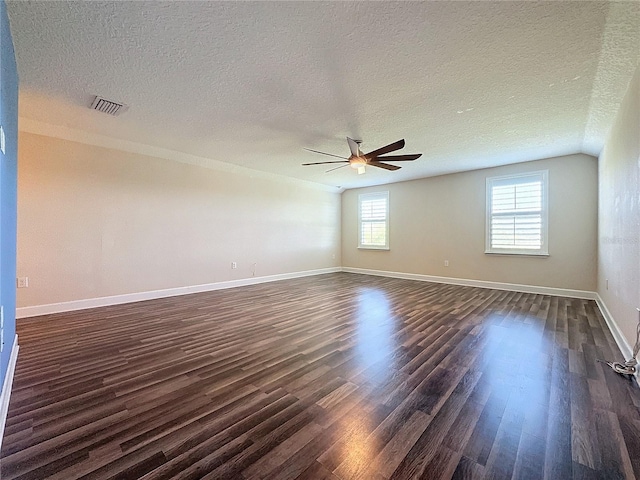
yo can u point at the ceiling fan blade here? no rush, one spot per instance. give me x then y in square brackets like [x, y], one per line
[353, 146]
[399, 158]
[386, 166]
[324, 153]
[335, 168]
[324, 163]
[392, 147]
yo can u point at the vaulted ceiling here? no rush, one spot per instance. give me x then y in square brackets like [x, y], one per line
[468, 84]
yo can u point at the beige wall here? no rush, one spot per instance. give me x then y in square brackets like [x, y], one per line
[619, 215]
[443, 218]
[95, 222]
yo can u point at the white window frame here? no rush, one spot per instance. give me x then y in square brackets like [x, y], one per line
[542, 175]
[373, 196]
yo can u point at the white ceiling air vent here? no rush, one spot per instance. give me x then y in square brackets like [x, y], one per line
[107, 106]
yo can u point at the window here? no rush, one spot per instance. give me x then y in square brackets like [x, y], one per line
[517, 214]
[373, 219]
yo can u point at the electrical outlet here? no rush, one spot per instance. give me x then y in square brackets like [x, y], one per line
[23, 282]
[446, 263]
[234, 265]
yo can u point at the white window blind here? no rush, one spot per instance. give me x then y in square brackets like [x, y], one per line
[517, 214]
[373, 219]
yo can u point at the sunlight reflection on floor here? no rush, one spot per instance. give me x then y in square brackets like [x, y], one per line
[376, 339]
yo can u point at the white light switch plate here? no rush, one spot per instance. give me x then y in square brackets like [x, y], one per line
[2, 139]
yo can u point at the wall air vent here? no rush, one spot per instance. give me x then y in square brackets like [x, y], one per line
[107, 106]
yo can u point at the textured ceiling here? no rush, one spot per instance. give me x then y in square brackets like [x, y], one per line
[468, 84]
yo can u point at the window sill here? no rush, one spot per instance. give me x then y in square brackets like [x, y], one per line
[374, 248]
[517, 254]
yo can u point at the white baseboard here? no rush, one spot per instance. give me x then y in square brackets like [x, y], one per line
[24, 312]
[623, 345]
[514, 287]
[6, 387]
[621, 341]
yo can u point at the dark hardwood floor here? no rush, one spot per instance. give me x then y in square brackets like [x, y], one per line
[338, 376]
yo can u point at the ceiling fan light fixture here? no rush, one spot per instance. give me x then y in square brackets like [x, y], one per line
[357, 162]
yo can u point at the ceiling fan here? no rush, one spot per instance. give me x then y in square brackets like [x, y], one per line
[376, 158]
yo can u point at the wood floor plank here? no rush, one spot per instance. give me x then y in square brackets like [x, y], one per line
[338, 376]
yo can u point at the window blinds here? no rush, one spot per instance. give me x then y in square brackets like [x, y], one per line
[374, 220]
[517, 217]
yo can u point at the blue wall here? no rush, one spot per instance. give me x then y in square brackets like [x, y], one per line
[8, 186]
